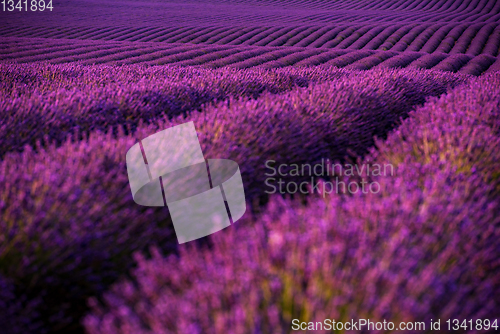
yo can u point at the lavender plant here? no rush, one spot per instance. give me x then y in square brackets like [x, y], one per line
[460, 128]
[411, 254]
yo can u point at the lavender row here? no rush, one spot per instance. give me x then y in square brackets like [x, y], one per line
[355, 37]
[41, 100]
[385, 37]
[465, 39]
[449, 41]
[461, 129]
[394, 38]
[422, 38]
[435, 40]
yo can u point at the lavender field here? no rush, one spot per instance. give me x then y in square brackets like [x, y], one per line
[409, 84]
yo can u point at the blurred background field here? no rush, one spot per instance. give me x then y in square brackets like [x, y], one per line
[450, 35]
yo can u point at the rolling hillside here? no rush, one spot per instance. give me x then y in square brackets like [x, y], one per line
[456, 36]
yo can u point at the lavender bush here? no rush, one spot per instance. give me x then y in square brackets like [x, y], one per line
[453, 63]
[69, 224]
[461, 128]
[428, 60]
[411, 254]
[478, 64]
[17, 314]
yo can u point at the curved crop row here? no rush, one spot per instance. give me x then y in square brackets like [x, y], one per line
[40, 99]
[42, 52]
[400, 60]
[273, 36]
[300, 36]
[329, 35]
[349, 58]
[465, 39]
[209, 36]
[322, 58]
[91, 55]
[383, 37]
[428, 60]
[134, 35]
[117, 56]
[147, 34]
[461, 128]
[450, 37]
[422, 38]
[341, 36]
[453, 63]
[449, 41]
[215, 38]
[153, 36]
[186, 55]
[259, 36]
[311, 38]
[479, 42]
[478, 65]
[247, 37]
[251, 14]
[237, 58]
[231, 36]
[407, 39]
[395, 37]
[493, 44]
[371, 61]
[283, 39]
[262, 59]
[435, 40]
[357, 36]
[157, 54]
[495, 67]
[213, 56]
[294, 58]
